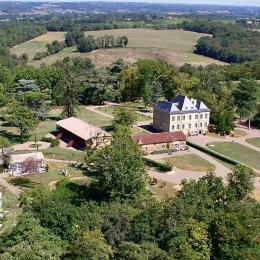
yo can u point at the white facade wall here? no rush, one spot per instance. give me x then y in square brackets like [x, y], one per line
[190, 123]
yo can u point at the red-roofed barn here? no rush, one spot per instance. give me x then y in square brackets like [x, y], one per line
[161, 141]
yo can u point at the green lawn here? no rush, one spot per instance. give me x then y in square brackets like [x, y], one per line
[191, 162]
[43, 128]
[238, 152]
[109, 110]
[254, 141]
[63, 154]
[53, 174]
[93, 118]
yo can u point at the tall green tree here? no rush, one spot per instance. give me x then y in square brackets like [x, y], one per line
[246, 96]
[23, 118]
[69, 88]
[119, 168]
[124, 116]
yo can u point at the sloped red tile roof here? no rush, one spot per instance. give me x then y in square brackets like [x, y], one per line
[158, 138]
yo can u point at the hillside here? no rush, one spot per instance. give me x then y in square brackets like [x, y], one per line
[174, 46]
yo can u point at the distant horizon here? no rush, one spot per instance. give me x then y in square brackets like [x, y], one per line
[252, 3]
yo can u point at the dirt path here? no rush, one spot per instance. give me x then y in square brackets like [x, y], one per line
[13, 189]
[26, 146]
[96, 110]
[59, 161]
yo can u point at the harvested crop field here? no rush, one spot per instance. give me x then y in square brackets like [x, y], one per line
[174, 46]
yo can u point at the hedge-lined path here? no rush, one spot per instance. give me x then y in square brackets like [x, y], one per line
[250, 133]
[177, 175]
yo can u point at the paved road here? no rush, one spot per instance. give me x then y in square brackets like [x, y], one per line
[177, 175]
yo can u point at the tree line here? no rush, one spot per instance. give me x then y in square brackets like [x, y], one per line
[52, 48]
[115, 216]
[89, 43]
[229, 91]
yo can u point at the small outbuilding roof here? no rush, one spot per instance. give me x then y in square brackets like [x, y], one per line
[157, 138]
[81, 128]
[18, 158]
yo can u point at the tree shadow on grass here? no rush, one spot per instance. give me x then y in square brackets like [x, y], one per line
[82, 192]
[13, 138]
[54, 118]
[23, 182]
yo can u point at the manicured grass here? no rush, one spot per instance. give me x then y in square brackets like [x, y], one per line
[63, 154]
[43, 128]
[254, 141]
[110, 110]
[93, 118]
[174, 46]
[53, 173]
[163, 189]
[238, 152]
[191, 162]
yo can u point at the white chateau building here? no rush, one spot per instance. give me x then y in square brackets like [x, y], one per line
[188, 115]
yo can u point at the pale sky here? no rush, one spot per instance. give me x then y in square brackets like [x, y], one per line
[220, 2]
[216, 2]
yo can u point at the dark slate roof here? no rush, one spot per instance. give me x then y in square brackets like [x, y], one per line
[182, 104]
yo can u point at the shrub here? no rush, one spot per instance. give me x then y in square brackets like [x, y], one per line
[162, 167]
[54, 142]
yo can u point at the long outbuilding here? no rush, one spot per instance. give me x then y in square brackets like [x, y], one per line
[79, 134]
[161, 141]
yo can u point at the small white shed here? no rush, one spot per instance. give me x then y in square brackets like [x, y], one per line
[28, 163]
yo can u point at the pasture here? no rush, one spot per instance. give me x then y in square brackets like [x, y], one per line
[174, 46]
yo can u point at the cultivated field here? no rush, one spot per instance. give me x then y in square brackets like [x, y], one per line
[174, 46]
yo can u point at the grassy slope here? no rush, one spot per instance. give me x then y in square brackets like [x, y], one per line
[254, 141]
[238, 152]
[191, 162]
[175, 46]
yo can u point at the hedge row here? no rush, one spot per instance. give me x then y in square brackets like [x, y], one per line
[162, 167]
[213, 153]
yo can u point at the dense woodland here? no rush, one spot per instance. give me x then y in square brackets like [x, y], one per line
[230, 43]
[115, 216]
